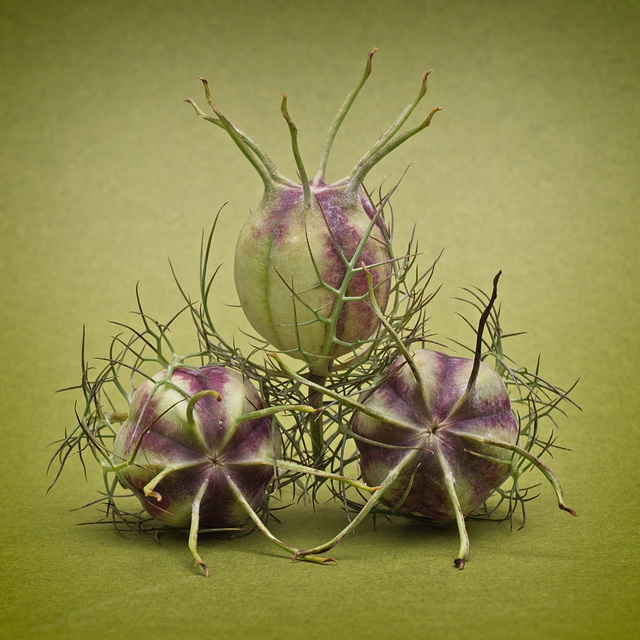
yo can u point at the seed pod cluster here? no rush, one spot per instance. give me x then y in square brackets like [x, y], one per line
[435, 436]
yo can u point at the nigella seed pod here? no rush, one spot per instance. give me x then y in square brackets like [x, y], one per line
[438, 436]
[433, 418]
[195, 448]
[300, 259]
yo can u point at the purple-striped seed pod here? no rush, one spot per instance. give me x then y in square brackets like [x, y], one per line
[438, 435]
[299, 258]
[436, 420]
[190, 444]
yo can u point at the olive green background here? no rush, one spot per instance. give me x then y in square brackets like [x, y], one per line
[531, 167]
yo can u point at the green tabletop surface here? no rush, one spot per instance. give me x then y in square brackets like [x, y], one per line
[108, 181]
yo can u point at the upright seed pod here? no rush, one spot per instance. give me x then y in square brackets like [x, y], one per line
[299, 258]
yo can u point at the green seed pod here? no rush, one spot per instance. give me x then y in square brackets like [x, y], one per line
[300, 259]
[439, 435]
[297, 274]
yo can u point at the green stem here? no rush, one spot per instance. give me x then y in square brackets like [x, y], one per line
[240, 143]
[341, 294]
[195, 525]
[191, 422]
[299, 468]
[349, 402]
[293, 130]
[149, 488]
[370, 504]
[372, 158]
[269, 165]
[316, 422]
[269, 411]
[339, 119]
[384, 139]
[399, 343]
[449, 483]
[258, 522]
[264, 413]
[541, 466]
